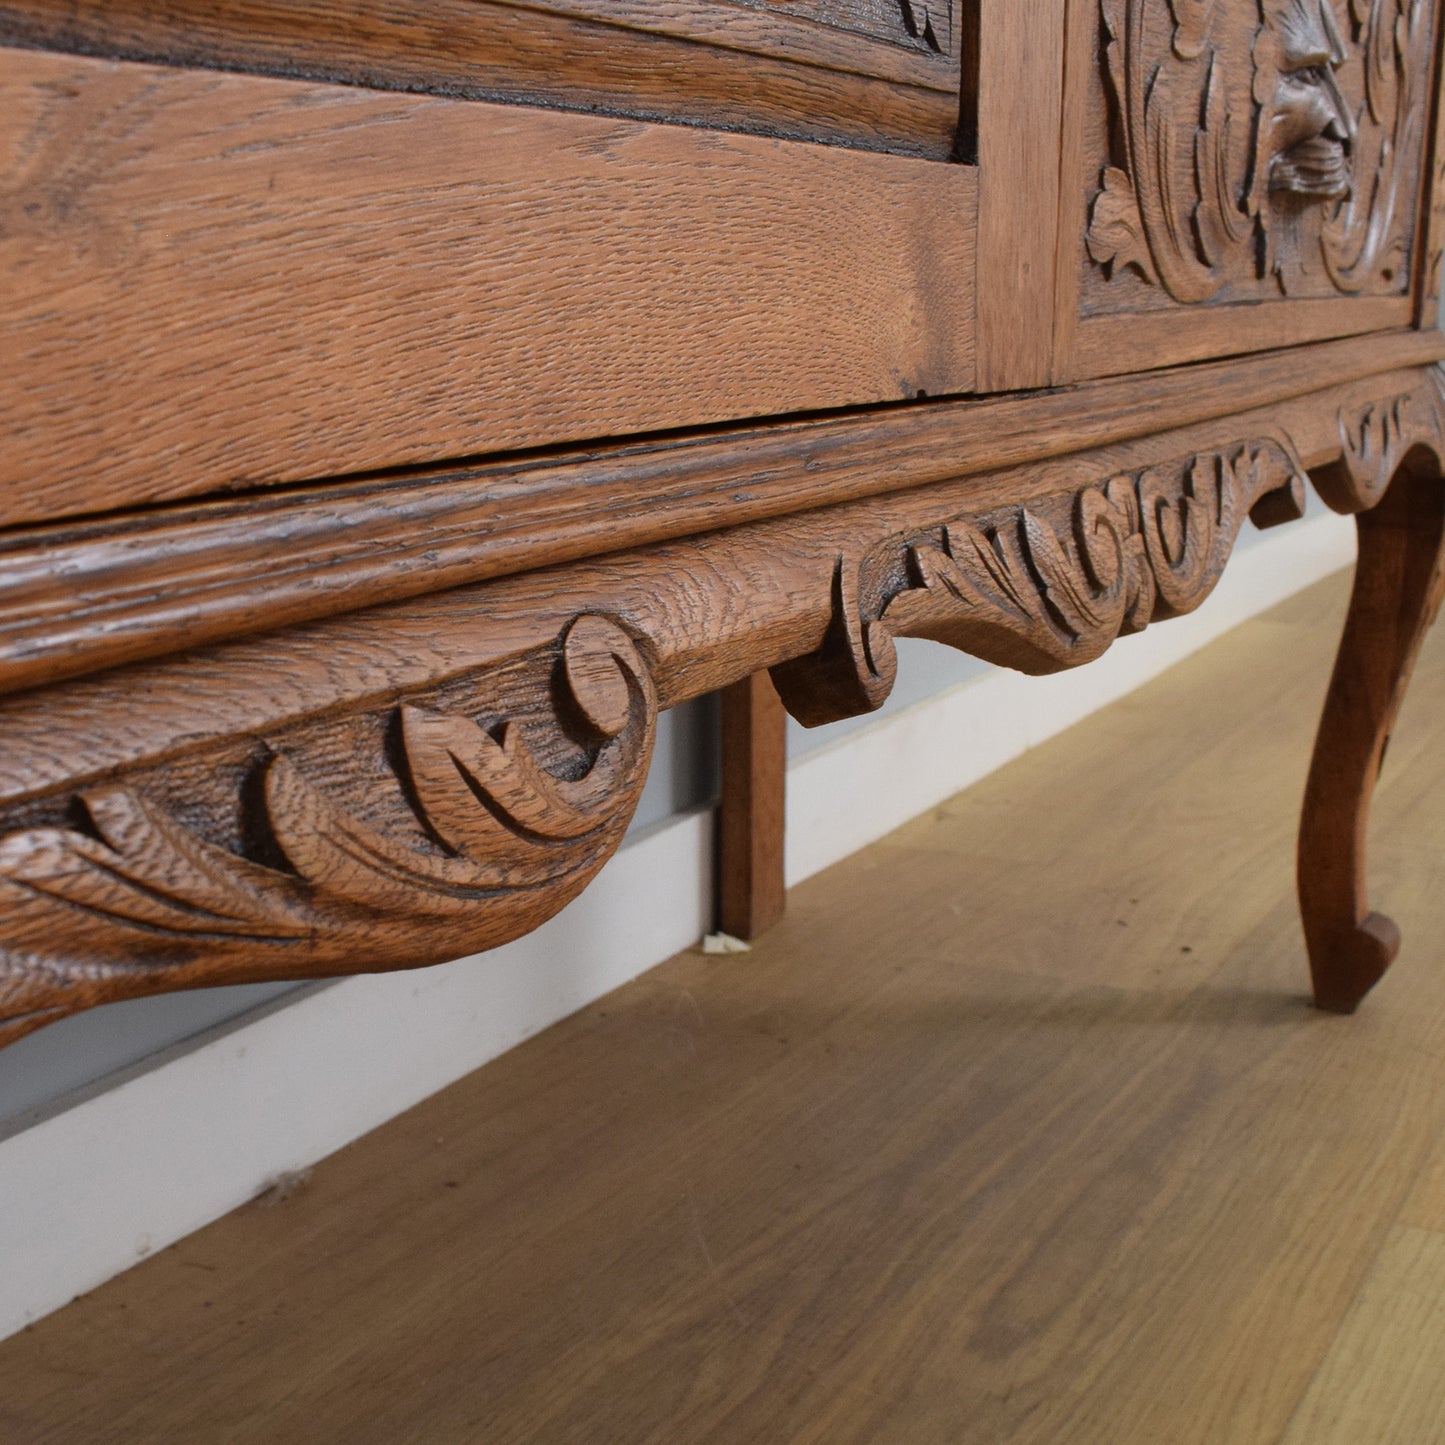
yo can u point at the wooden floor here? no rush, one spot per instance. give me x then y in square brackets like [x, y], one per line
[1018, 1129]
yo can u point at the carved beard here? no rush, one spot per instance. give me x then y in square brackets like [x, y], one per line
[1318, 168]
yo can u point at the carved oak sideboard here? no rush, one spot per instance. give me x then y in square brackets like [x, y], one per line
[403, 404]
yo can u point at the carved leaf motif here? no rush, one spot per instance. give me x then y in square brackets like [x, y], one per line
[1170, 199]
[480, 827]
[1112, 546]
[1376, 439]
[1364, 243]
[149, 871]
[1191, 25]
[451, 762]
[1123, 56]
[1183, 526]
[1080, 607]
[1373, 443]
[343, 859]
[986, 571]
[1116, 230]
[1223, 223]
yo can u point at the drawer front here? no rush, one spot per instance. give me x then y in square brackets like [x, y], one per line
[1256, 163]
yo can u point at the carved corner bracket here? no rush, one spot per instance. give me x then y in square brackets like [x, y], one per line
[1376, 438]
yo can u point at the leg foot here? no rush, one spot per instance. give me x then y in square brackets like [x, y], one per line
[1354, 963]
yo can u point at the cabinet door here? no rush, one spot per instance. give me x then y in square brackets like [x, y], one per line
[1241, 174]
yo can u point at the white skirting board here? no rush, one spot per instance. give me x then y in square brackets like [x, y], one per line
[126, 1167]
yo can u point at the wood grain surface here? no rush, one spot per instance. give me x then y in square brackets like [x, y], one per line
[1017, 1128]
[716, 606]
[1382, 1379]
[1118, 345]
[221, 281]
[77, 597]
[851, 72]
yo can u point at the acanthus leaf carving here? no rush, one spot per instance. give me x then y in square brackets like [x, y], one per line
[1026, 592]
[1364, 242]
[485, 794]
[1116, 238]
[476, 835]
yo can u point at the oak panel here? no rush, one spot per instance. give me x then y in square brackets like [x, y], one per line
[1243, 151]
[851, 72]
[219, 281]
[1114, 345]
[1238, 176]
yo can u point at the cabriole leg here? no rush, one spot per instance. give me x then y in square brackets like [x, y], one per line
[1398, 586]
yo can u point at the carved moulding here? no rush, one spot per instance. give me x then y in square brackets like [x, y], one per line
[1270, 146]
[420, 781]
[79, 597]
[1375, 439]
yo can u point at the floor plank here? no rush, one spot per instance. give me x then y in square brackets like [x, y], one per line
[1017, 1128]
[1384, 1378]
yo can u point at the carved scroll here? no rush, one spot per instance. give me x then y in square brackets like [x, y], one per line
[1035, 592]
[1270, 147]
[474, 837]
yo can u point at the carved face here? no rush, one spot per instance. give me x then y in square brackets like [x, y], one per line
[1261, 147]
[1306, 130]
